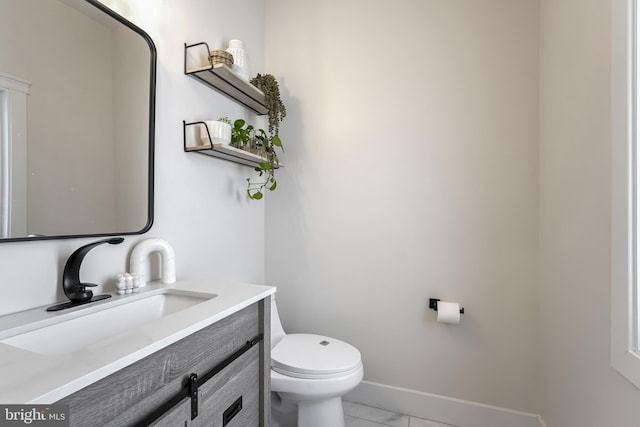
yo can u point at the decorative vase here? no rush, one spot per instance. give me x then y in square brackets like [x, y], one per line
[240, 60]
[219, 133]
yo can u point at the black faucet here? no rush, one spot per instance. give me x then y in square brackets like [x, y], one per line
[74, 289]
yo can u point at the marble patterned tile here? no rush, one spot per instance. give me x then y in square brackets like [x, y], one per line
[420, 422]
[359, 422]
[376, 415]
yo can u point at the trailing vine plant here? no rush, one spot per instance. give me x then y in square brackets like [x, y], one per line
[276, 111]
[243, 134]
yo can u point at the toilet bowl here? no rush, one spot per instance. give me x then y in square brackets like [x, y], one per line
[309, 375]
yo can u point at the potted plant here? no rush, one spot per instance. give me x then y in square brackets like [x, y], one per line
[241, 134]
[216, 132]
[276, 111]
[247, 137]
[260, 141]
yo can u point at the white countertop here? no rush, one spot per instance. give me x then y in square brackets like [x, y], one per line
[28, 377]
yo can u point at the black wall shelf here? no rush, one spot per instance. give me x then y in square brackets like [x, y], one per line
[222, 151]
[222, 78]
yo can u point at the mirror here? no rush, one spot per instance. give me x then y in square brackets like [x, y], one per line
[77, 106]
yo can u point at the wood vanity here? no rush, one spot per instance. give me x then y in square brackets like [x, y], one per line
[237, 395]
[224, 355]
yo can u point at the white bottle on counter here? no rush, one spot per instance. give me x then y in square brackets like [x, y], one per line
[120, 285]
[240, 59]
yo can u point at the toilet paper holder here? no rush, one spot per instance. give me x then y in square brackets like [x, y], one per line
[433, 305]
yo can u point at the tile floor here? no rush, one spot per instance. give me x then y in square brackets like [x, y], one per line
[356, 415]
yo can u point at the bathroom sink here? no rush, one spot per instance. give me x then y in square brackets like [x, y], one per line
[87, 326]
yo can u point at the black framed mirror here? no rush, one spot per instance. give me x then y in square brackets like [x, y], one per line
[77, 121]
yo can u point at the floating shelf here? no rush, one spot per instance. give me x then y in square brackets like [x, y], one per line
[222, 78]
[223, 151]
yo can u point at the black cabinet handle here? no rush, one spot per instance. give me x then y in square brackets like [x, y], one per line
[232, 411]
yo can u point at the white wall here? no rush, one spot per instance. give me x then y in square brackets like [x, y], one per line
[411, 172]
[580, 388]
[200, 205]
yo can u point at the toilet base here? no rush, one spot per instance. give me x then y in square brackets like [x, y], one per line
[317, 413]
[284, 413]
[321, 414]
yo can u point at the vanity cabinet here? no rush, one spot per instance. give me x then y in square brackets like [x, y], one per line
[230, 399]
[231, 356]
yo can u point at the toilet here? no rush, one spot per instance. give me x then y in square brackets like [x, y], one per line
[309, 376]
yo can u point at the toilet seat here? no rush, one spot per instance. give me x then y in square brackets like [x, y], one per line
[314, 357]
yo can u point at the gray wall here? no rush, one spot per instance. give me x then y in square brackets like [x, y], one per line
[411, 172]
[581, 388]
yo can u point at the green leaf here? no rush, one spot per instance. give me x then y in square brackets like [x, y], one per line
[273, 187]
[265, 165]
[276, 141]
[238, 124]
[257, 195]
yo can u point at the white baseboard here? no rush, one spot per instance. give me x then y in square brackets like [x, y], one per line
[443, 409]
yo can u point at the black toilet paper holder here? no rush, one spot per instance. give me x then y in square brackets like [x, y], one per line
[433, 305]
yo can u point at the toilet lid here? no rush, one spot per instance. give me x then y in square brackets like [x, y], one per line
[314, 356]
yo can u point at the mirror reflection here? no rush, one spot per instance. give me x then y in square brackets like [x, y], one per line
[76, 121]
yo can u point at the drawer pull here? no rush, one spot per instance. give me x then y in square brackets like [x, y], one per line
[232, 411]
